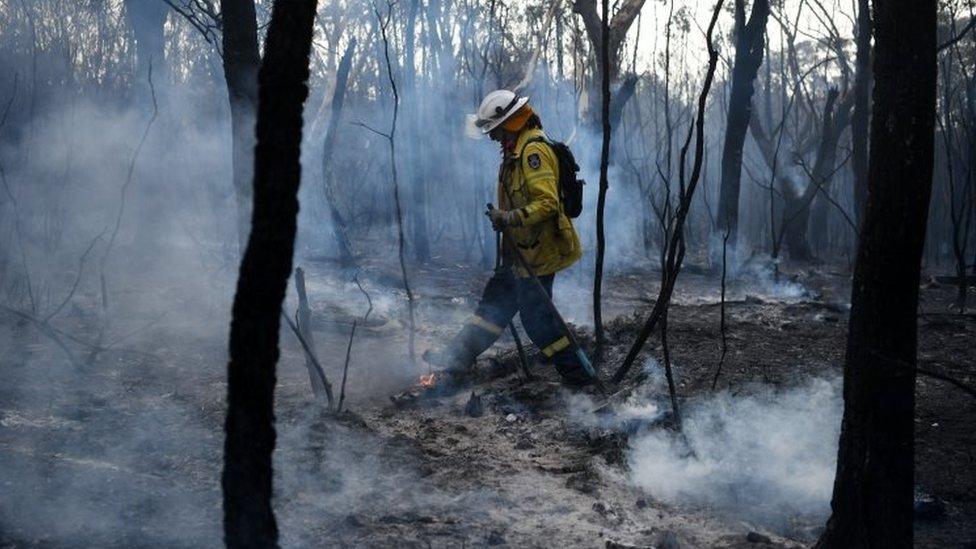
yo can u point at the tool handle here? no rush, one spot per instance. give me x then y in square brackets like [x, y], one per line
[580, 354]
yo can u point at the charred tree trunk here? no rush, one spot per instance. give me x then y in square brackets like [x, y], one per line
[147, 20]
[618, 26]
[150, 83]
[250, 434]
[801, 218]
[748, 56]
[796, 218]
[971, 158]
[873, 489]
[328, 147]
[818, 234]
[959, 200]
[604, 183]
[241, 60]
[859, 120]
[971, 113]
[815, 229]
[420, 239]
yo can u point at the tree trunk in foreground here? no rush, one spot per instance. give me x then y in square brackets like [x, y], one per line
[748, 57]
[248, 516]
[859, 120]
[241, 61]
[873, 489]
[604, 182]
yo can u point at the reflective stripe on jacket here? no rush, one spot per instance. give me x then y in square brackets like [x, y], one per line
[528, 183]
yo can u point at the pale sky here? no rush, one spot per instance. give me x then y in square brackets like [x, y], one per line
[655, 12]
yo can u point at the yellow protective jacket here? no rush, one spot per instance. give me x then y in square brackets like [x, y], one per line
[528, 183]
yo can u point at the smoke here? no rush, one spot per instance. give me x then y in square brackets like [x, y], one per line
[753, 273]
[759, 273]
[119, 447]
[762, 454]
[124, 449]
[332, 478]
[641, 408]
[101, 456]
[767, 456]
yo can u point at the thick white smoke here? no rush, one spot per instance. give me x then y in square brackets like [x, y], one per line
[767, 456]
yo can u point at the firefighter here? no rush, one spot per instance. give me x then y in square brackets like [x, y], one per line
[531, 213]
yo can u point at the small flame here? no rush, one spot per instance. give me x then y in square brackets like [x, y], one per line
[427, 381]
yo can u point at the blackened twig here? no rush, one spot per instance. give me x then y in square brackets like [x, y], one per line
[345, 367]
[74, 286]
[959, 36]
[311, 356]
[128, 183]
[721, 325]
[44, 328]
[352, 334]
[303, 320]
[674, 256]
[391, 138]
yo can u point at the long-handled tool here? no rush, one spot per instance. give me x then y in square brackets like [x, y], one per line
[580, 355]
[523, 362]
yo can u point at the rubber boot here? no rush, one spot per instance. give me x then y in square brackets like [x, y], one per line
[574, 375]
[448, 360]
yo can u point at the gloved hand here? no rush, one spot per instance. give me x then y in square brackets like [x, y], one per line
[504, 218]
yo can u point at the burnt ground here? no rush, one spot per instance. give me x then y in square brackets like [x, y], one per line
[122, 448]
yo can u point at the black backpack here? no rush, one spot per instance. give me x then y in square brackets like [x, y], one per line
[570, 187]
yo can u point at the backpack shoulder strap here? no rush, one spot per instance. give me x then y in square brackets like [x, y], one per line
[538, 139]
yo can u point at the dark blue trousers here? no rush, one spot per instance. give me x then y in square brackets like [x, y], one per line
[503, 296]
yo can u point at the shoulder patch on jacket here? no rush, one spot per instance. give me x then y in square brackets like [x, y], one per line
[534, 161]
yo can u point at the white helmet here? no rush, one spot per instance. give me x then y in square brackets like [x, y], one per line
[497, 107]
